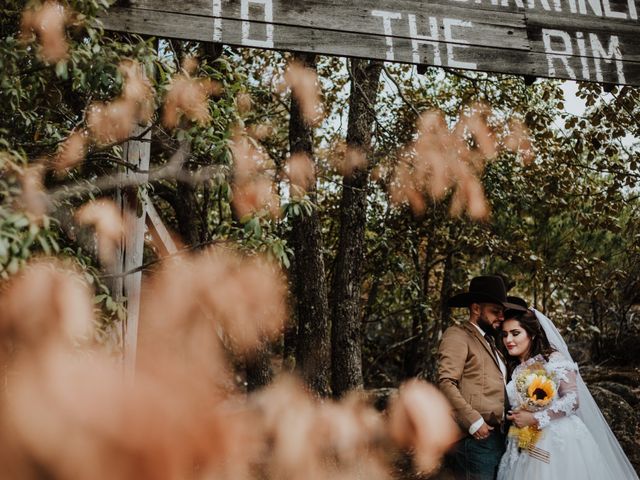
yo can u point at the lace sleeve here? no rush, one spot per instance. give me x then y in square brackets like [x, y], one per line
[566, 401]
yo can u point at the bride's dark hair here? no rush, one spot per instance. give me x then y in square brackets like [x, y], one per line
[539, 342]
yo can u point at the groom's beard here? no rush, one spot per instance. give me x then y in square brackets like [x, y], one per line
[486, 325]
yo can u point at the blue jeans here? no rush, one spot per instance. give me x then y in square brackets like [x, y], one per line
[473, 459]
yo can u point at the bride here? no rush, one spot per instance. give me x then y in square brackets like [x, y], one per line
[558, 431]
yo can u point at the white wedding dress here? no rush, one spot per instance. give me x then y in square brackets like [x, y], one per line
[573, 451]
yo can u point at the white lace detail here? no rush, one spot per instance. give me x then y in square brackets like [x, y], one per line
[559, 366]
[566, 404]
[543, 418]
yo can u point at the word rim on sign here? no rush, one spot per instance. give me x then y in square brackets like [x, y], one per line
[591, 40]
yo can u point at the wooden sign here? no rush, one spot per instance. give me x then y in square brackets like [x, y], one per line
[592, 40]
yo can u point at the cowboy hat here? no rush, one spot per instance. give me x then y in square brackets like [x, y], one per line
[485, 289]
[514, 312]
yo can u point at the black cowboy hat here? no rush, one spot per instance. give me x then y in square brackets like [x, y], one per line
[485, 289]
[514, 312]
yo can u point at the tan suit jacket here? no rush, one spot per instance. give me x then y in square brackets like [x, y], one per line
[470, 377]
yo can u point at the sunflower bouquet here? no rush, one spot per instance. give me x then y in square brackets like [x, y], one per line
[536, 388]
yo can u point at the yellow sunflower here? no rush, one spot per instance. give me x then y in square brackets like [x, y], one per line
[541, 389]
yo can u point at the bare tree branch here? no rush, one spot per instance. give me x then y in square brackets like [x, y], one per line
[171, 171]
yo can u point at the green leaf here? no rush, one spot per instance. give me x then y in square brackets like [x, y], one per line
[99, 298]
[249, 225]
[257, 229]
[13, 266]
[54, 244]
[21, 222]
[110, 304]
[62, 70]
[44, 244]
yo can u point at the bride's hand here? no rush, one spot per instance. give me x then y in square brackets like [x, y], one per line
[522, 418]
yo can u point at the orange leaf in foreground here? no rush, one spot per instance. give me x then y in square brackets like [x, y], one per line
[113, 121]
[188, 97]
[71, 151]
[518, 140]
[249, 297]
[301, 173]
[255, 195]
[105, 216]
[33, 198]
[432, 153]
[47, 22]
[469, 195]
[312, 440]
[440, 160]
[46, 301]
[253, 190]
[306, 90]
[474, 121]
[190, 64]
[137, 89]
[245, 295]
[244, 102]
[346, 159]
[420, 419]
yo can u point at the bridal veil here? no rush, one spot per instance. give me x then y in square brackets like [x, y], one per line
[589, 412]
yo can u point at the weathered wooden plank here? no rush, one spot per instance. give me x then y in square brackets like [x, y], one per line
[314, 13]
[444, 23]
[157, 228]
[137, 153]
[395, 18]
[346, 43]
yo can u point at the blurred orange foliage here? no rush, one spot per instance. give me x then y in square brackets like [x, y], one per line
[105, 216]
[46, 22]
[189, 98]
[301, 172]
[253, 185]
[443, 160]
[71, 151]
[305, 88]
[67, 412]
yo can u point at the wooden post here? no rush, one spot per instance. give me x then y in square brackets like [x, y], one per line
[127, 286]
[157, 228]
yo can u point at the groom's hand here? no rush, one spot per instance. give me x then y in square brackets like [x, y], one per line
[483, 432]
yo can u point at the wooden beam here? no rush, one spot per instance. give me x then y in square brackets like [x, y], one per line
[592, 41]
[131, 251]
[157, 228]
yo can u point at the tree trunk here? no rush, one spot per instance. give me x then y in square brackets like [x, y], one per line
[445, 291]
[346, 361]
[186, 205]
[258, 368]
[545, 290]
[419, 326]
[311, 306]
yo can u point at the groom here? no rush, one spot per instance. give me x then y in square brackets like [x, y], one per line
[471, 374]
